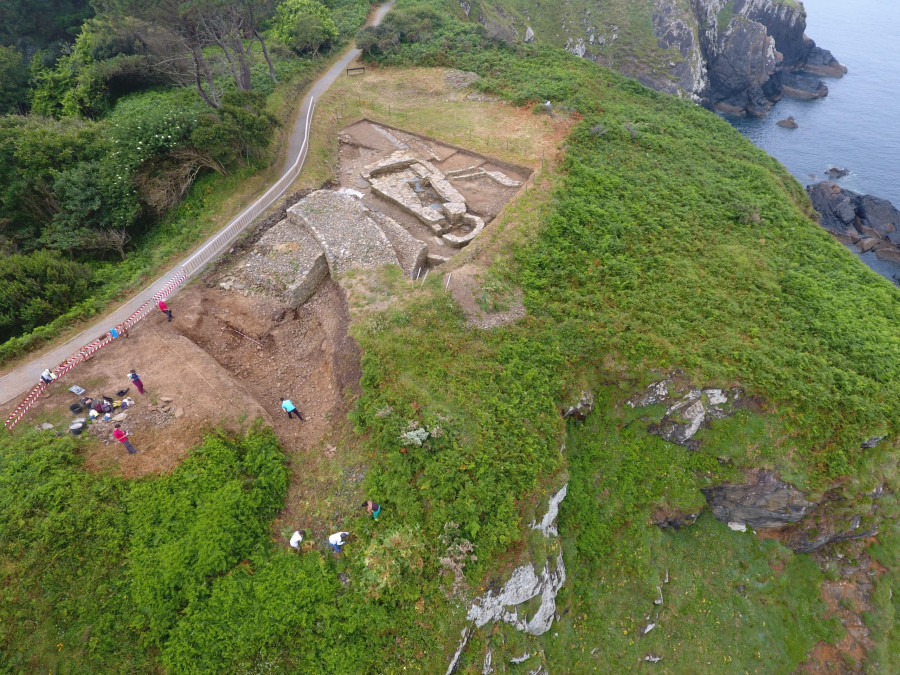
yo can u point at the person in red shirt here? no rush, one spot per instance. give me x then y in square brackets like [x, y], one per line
[164, 308]
[122, 437]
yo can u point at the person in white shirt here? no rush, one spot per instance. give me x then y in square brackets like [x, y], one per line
[47, 376]
[296, 538]
[337, 540]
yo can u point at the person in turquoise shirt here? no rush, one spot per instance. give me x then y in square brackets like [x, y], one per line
[290, 408]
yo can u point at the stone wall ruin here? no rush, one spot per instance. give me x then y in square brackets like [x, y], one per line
[403, 200]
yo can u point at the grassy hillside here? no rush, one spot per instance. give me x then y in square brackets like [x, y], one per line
[623, 31]
[665, 241]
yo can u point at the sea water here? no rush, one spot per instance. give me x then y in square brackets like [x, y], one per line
[855, 127]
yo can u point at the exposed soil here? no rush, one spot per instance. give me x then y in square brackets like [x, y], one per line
[465, 286]
[224, 360]
[847, 598]
[274, 351]
[170, 366]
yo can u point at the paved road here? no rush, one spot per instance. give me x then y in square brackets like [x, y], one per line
[21, 379]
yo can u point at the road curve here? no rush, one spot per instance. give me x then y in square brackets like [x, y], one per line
[23, 378]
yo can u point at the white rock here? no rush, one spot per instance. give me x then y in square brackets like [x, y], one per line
[548, 523]
[737, 527]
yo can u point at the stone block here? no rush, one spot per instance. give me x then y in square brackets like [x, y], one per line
[454, 212]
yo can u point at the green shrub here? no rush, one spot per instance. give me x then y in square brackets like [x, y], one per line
[36, 287]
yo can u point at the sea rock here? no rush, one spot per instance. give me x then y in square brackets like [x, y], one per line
[822, 62]
[835, 173]
[890, 253]
[853, 215]
[765, 502]
[788, 123]
[686, 68]
[836, 206]
[803, 86]
[729, 55]
[867, 244]
[746, 61]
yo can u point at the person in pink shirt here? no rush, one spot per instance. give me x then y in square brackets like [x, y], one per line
[122, 437]
[164, 308]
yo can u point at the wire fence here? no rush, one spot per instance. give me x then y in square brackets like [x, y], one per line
[189, 268]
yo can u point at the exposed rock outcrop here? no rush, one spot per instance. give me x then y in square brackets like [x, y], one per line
[764, 503]
[760, 54]
[736, 55]
[872, 223]
[745, 61]
[688, 409]
[525, 584]
[803, 526]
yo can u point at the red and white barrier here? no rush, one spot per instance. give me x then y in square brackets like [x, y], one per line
[89, 349]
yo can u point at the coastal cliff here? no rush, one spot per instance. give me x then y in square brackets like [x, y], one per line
[738, 56]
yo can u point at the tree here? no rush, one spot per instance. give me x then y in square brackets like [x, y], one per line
[13, 81]
[96, 206]
[255, 12]
[304, 25]
[238, 132]
[37, 23]
[33, 151]
[186, 28]
[38, 287]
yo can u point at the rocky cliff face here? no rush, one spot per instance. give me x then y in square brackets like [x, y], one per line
[869, 223]
[736, 55]
[755, 51]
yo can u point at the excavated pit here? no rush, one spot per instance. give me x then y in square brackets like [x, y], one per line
[302, 353]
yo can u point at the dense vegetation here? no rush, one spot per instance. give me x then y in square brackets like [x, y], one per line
[120, 127]
[669, 242]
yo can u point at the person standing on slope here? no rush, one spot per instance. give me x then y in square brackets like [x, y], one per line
[164, 308]
[373, 509]
[288, 406]
[296, 538]
[134, 377]
[122, 437]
